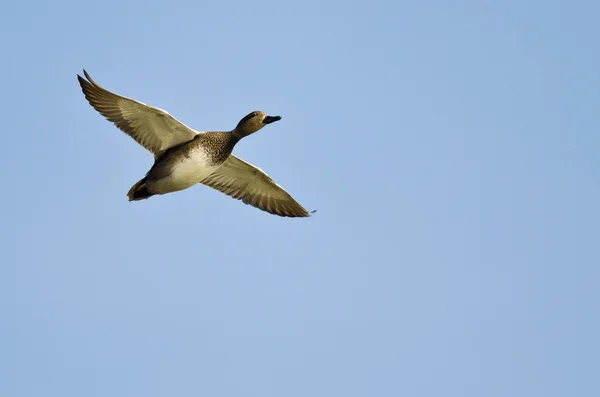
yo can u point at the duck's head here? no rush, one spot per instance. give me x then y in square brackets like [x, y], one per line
[253, 122]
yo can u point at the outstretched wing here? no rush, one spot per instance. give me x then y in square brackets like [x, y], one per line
[153, 128]
[243, 181]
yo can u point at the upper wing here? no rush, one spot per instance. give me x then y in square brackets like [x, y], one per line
[153, 128]
[243, 181]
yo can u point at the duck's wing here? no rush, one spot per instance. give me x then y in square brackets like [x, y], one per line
[153, 128]
[243, 181]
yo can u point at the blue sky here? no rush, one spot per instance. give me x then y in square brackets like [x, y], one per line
[451, 149]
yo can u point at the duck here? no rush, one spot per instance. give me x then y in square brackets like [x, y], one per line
[184, 157]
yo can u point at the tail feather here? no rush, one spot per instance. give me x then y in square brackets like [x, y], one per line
[139, 191]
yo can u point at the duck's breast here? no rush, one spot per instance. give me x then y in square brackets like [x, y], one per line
[182, 170]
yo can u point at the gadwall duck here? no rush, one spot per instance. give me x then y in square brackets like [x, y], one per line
[184, 157]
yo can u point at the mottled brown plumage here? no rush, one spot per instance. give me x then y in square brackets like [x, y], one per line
[184, 157]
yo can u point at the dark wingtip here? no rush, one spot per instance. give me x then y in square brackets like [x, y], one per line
[88, 78]
[82, 80]
[84, 73]
[82, 83]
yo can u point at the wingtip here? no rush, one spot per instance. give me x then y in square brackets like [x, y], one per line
[81, 79]
[84, 84]
[87, 79]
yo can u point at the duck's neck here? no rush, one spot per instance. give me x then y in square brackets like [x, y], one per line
[234, 138]
[236, 135]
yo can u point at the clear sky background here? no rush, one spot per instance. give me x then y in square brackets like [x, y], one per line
[451, 149]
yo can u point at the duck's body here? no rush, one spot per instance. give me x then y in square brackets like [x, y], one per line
[185, 165]
[184, 157]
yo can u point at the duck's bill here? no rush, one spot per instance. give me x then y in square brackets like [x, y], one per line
[271, 119]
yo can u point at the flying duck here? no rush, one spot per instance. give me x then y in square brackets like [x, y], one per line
[184, 157]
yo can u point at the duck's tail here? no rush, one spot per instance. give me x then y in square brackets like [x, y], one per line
[139, 191]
